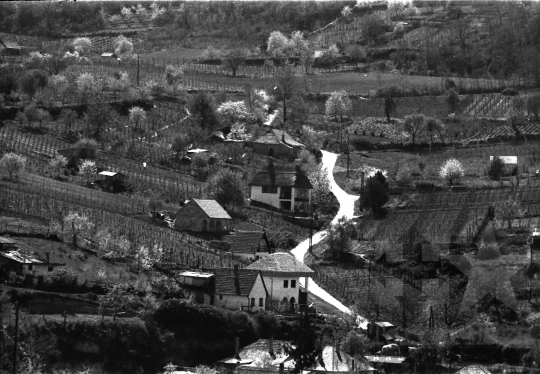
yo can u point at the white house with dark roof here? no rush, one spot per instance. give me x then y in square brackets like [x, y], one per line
[276, 143]
[203, 216]
[281, 273]
[238, 289]
[284, 187]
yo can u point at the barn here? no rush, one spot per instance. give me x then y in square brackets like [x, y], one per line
[203, 216]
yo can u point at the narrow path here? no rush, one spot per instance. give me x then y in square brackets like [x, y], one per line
[346, 209]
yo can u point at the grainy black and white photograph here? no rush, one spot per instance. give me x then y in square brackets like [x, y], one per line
[270, 187]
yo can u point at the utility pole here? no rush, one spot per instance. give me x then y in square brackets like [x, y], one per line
[348, 153]
[138, 65]
[15, 339]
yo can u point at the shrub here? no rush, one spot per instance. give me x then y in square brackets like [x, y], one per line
[13, 163]
[88, 148]
[496, 167]
[452, 171]
[509, 92]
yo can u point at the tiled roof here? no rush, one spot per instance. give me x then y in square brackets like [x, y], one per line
[281, 264]
[275, 136]
[281, 176]
[212, 209]
[245, 241]
[227, 284]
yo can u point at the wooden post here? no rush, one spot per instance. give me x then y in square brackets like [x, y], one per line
[15, 338]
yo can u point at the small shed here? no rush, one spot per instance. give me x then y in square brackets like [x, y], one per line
[195, 279]
[110, 55]
[9, 48]
[510, 164]
[23, 264]
[112, 181]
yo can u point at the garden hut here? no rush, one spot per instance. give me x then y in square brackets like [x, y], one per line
[9, 48]
[110, 56]
[111, 180]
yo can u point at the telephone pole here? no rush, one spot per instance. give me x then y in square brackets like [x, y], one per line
[138, 65]
[15, 338]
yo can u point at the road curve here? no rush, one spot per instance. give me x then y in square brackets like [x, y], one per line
[346, 208]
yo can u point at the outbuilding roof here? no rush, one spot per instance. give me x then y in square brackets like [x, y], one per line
[108, 173]
[246, 241]
[194, 274]
[212, 208]
[281, 264]
[226, 283]
[25, 259]
[10, 44]
[275, 136]
[281, 176]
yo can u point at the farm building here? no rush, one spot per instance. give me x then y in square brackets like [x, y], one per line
[281, 273]
[195, 279]
[111, 180]
[110, 56]
[9, 48]
[203, 216]
[248, 244]
[378, 330]
[284, 187]
[510, 164]
[23, 264]
[276, 143]
[238, 289]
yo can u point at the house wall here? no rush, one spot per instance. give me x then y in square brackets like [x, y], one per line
[266, 198]
[230, 301]
[276, 291]
[189, 218]
[258, 292]
[41, 270]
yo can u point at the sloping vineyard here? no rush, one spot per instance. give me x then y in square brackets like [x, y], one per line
[178, 248]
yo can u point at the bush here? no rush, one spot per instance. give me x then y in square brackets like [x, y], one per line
[496, 168]
[452, 171]
[509, 92]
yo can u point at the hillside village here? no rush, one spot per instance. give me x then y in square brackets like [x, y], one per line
[269, 187]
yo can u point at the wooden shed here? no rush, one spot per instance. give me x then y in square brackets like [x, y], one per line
[111, 180]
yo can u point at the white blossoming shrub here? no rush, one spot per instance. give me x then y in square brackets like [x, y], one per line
[452, 171]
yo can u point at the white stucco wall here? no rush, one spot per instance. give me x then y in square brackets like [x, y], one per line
[266, 198]
[276, 292]
[230, 301]
[258, 291]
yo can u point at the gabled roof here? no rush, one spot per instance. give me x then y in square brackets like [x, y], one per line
[275, 136]
[281, 176]
[25, 259]
[195, 274]
[281, 264]
[10, 44]
[211, 208]
[227, 284]
[109, 54]
[246, 241]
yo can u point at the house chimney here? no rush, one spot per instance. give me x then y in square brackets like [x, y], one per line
[281, 368]
[237, 348]
[271, 347]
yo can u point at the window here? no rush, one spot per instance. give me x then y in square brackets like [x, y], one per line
[252, 301]
[30, 267]
[261, 301]
[50, 268]
[221, 297]
[285, 283]
[293, 283]
[269, 189]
